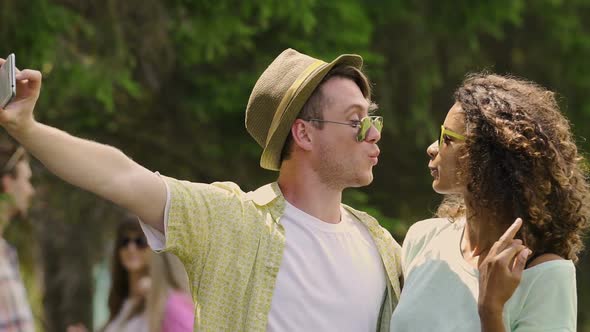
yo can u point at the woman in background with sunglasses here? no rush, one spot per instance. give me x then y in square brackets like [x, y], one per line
[505, 152]
[169, 306]
[130, 280]
[149, 292]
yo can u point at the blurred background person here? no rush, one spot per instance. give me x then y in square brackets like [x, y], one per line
[149, 292]
[15, 311]
[129, 279]
[169, 305]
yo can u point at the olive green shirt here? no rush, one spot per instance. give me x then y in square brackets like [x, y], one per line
[231, 244]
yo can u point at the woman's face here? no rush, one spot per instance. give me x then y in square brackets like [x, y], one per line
[133, 252]
[444, 158]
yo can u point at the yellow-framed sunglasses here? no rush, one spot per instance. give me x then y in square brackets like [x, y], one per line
[363, 125]
[444, 131]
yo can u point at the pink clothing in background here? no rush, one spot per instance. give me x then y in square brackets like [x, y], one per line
[179, 314]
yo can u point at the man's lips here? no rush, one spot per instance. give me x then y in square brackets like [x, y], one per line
[375, 157]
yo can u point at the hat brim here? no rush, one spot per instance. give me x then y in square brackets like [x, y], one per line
[271, 155]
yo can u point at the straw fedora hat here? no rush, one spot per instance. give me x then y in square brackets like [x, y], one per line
[278, 96]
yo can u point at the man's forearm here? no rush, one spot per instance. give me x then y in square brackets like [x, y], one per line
[98, 168]
[95, 167]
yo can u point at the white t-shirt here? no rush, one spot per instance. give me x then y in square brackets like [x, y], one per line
[331, 276]
[441, 289]
[122, 322]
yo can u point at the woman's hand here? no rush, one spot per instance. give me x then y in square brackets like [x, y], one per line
[499, 275]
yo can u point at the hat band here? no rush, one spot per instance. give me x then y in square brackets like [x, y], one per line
[288, 97]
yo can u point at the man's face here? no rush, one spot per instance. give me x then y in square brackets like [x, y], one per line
[19, 187]
[337, 157]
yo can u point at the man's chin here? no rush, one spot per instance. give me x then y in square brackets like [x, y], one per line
[363, 181]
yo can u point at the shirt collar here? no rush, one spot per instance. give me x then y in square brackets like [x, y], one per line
[266, 194]
[269, 195]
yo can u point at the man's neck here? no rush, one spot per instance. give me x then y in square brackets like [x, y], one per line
[307, 193]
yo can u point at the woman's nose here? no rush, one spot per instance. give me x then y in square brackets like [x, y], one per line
[432, 150]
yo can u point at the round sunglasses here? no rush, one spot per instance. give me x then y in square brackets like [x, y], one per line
[140, 242]
[363, 125]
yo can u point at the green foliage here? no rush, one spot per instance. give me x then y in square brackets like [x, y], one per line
[168, 81]
[361, 201]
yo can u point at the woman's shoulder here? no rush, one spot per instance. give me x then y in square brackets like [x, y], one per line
[553, 279]
[544, 258]
[429, 228]
[422, 233]
[550, 262]
[179, 312]
[549, 269]
[179, 300]
[177, 296]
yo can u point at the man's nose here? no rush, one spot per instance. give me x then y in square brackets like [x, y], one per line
[373, 135]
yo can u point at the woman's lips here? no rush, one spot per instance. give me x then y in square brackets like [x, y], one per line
[434, 172]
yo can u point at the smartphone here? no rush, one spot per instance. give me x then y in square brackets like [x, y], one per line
[7, 81]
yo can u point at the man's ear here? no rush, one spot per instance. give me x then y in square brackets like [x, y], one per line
[302, 137]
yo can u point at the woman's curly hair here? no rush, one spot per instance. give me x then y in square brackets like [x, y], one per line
[521, 161]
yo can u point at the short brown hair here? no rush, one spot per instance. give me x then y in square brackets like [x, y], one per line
[313, 108]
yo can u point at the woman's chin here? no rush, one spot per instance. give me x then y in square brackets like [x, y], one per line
[436, 186]
[440, 188]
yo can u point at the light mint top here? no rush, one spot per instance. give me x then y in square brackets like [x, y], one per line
[441, 289]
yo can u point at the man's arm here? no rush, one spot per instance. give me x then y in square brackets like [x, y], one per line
[95, 167]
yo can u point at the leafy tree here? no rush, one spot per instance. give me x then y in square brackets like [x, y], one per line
[168, 82]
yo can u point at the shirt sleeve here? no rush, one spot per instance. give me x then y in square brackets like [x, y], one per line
[408, 250]
[155, 238]
[416, 238]
[15, 311]
[551, 301]
[195, 214]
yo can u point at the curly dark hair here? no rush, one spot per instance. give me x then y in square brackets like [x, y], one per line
[521, 160]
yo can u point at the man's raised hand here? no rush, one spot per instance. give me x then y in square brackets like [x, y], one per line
[18, 114]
